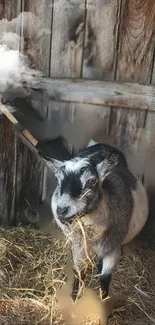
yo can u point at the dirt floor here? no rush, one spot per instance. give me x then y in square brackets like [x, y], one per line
[32, 271]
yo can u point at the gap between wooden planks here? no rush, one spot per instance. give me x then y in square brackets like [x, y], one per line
[14, 121]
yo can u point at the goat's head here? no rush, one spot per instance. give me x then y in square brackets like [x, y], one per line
[79, 184]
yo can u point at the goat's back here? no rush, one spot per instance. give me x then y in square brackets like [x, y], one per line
[140, 212]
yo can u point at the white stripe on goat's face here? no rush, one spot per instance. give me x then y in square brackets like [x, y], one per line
[76, 164]
[78, 190]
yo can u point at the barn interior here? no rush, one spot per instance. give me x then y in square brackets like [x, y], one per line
[89, 72]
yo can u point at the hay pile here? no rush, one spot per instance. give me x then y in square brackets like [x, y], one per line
[32, 270]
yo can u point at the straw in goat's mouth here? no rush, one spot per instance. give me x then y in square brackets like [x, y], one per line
[75, 217]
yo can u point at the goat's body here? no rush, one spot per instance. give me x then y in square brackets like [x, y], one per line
[99, 240]
[140, 213]
[114, 207]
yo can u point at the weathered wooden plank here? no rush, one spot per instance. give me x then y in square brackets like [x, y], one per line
[67, 38]
[36, 33]
[100, 53]
[7, 112]
[149, 163]
[101, 39]
[88, 121]
[36, 30]
[66, 61]
[153, 72]
[127, 95]
[9, 9]
[149, 134]
[136, 41]
[67, 46]
[29, 185]
[149, 174]
[124, 131]
[149, 138]
[10, 23]
[134, 62]
[7, 172]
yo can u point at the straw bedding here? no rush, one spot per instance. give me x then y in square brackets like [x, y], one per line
[32, 270]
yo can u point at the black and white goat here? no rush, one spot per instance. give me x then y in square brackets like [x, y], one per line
[112, 204]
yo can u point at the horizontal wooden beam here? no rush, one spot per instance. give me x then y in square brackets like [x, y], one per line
[127, 95]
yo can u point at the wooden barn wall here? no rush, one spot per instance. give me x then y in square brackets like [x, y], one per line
[8, 143]
[93, 39]
[134, 63]
[21, 170]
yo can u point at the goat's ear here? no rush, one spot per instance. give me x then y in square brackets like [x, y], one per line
[53, 164]
[100, 169]
[103, 169]
[91, 143]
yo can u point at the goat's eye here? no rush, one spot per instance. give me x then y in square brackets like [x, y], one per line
[92, 181]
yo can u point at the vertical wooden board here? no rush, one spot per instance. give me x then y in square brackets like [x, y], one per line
[134, 63]
[88, 121]
[123, 125]
[36, 30]
[10, 9]
[100, 51]
[149, 135]
[153, 71]
[67, 46]
[149, 175]
[7, 172]
[67, 38]
[68, 35]
[10, 23]
[149, 172]
[78, 123]
[126, 134]
[29, 184]
[136, 49]
[101, 39]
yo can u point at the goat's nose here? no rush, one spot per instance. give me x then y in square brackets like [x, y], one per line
[62, 211]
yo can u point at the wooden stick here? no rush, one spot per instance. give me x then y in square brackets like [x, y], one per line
[14, 121]
[8, 114]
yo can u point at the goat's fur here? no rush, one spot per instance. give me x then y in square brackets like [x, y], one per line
[112, 211]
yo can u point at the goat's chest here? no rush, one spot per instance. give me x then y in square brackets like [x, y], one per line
[85, 236]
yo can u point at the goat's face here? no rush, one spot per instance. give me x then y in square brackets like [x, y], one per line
[78, 189]
[79, 182]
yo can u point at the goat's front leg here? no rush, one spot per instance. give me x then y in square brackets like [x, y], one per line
[80, 268]
[106, 266]
[79, 277]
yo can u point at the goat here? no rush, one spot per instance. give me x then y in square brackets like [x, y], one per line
[98, 187]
